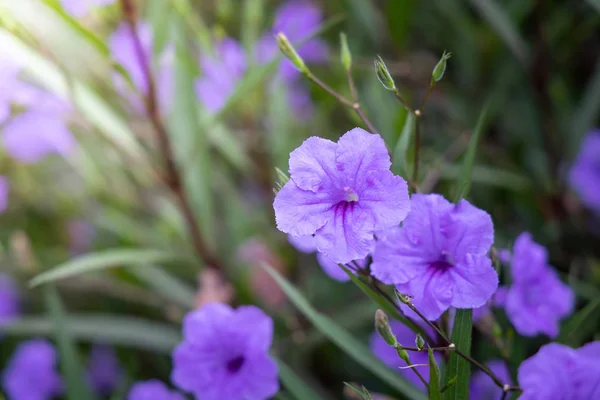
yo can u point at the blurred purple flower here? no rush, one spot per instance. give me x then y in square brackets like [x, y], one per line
[584, 175]
[342, 193]
[439, 255]
[32, 135]
[79, 8]
[307, 244]
[153, 390]
[104, 371]
[482, 387]
[406, 337]
[557, 371]
[221, 73]
[298, 19]
[537, 299]
[4, 191]
[31, 372]
[10, 299]
[225, 354]
[123, 51]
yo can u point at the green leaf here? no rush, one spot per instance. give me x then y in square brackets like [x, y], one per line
[587, 111]
[344, 340]
[76, 388]
[450, 383]
[112, 329]
[383, 303]
[434, 378]
[500, 22]
[400, 163]
[581, 325]
[458, 366]
[166, 284]
[103, 260]
[295, 385]
[464, 180]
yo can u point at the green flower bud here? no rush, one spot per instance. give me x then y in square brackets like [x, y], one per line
[384, 75]
[291, 54]
[345, 54]
[383, 327]
[419, 342]
[440, 68]
[403, 355]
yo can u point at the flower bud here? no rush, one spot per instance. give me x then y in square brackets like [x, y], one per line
[402, 298]
[384, 75]
[345, 54]
[419, 342]
[383, 327]
[440, 68]
[403, 355]
[288, 50]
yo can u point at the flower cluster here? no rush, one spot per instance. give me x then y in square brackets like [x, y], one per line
[342, 193]
[557, 371]
[225, 354]
[584, 175]
[439, 255]
[537, 299]
[31, 373]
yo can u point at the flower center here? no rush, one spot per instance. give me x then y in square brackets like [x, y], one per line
[351, 195]
[235, 364]
[445, 261]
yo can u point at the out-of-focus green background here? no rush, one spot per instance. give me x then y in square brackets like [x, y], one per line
[536, 62]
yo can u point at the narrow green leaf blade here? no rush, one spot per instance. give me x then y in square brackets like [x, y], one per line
[581, 325]
[400, 164]
[103, 260]
[166, 284]
[345, 341]
[434, 378]
[76, 388]
[461, 337]
[295, 385]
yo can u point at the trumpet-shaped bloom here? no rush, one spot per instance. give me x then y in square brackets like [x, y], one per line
[439, 255]
[225, 354]
[153, 390]
[482, 387]
[221, 73]
[104, 371]
[31, 372]
[584, 175]
[79, 8]
[557, 371]
[342, 193]
[406, 337]
[307, 244]
[537, 299]
[10, 299]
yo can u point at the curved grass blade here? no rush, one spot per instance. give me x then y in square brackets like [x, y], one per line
[344, 340]
[167, 285]
[103, 260]
[581, 325]
[434, 378]
[458, 366]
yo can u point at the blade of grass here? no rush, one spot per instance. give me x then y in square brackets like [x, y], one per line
[167, 285]
[102, 260]
[586, 113]
[435, 392]
[581, 325]
[458, 366]
[344, 340]
[295, 385]
[400, 163]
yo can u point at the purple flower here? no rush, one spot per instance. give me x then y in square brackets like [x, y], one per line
[342, 193]
[557, 371]
[4, 191]
[31, 372]
[221, 74]
[104, 371]
[406, 337]
[537, 299]
[307, 244]
[79, 8]
[122, 49]
[439, 256]
[482, 387]
[584, 175]
[225, 354]
[298, 19]
[152, 390]
[10, 299]
[32, 135]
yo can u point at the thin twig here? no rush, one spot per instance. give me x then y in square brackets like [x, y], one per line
[356, 106]
[173, 177]
[403, 102]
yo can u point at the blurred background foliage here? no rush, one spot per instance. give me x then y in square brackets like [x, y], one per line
[105, 212]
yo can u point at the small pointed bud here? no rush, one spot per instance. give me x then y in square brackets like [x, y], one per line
[384, 75]
[383, 327]
[403, 354]
[419, 342]
[291, 54]
[402, 298]
[440, 68]
[345, 54]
